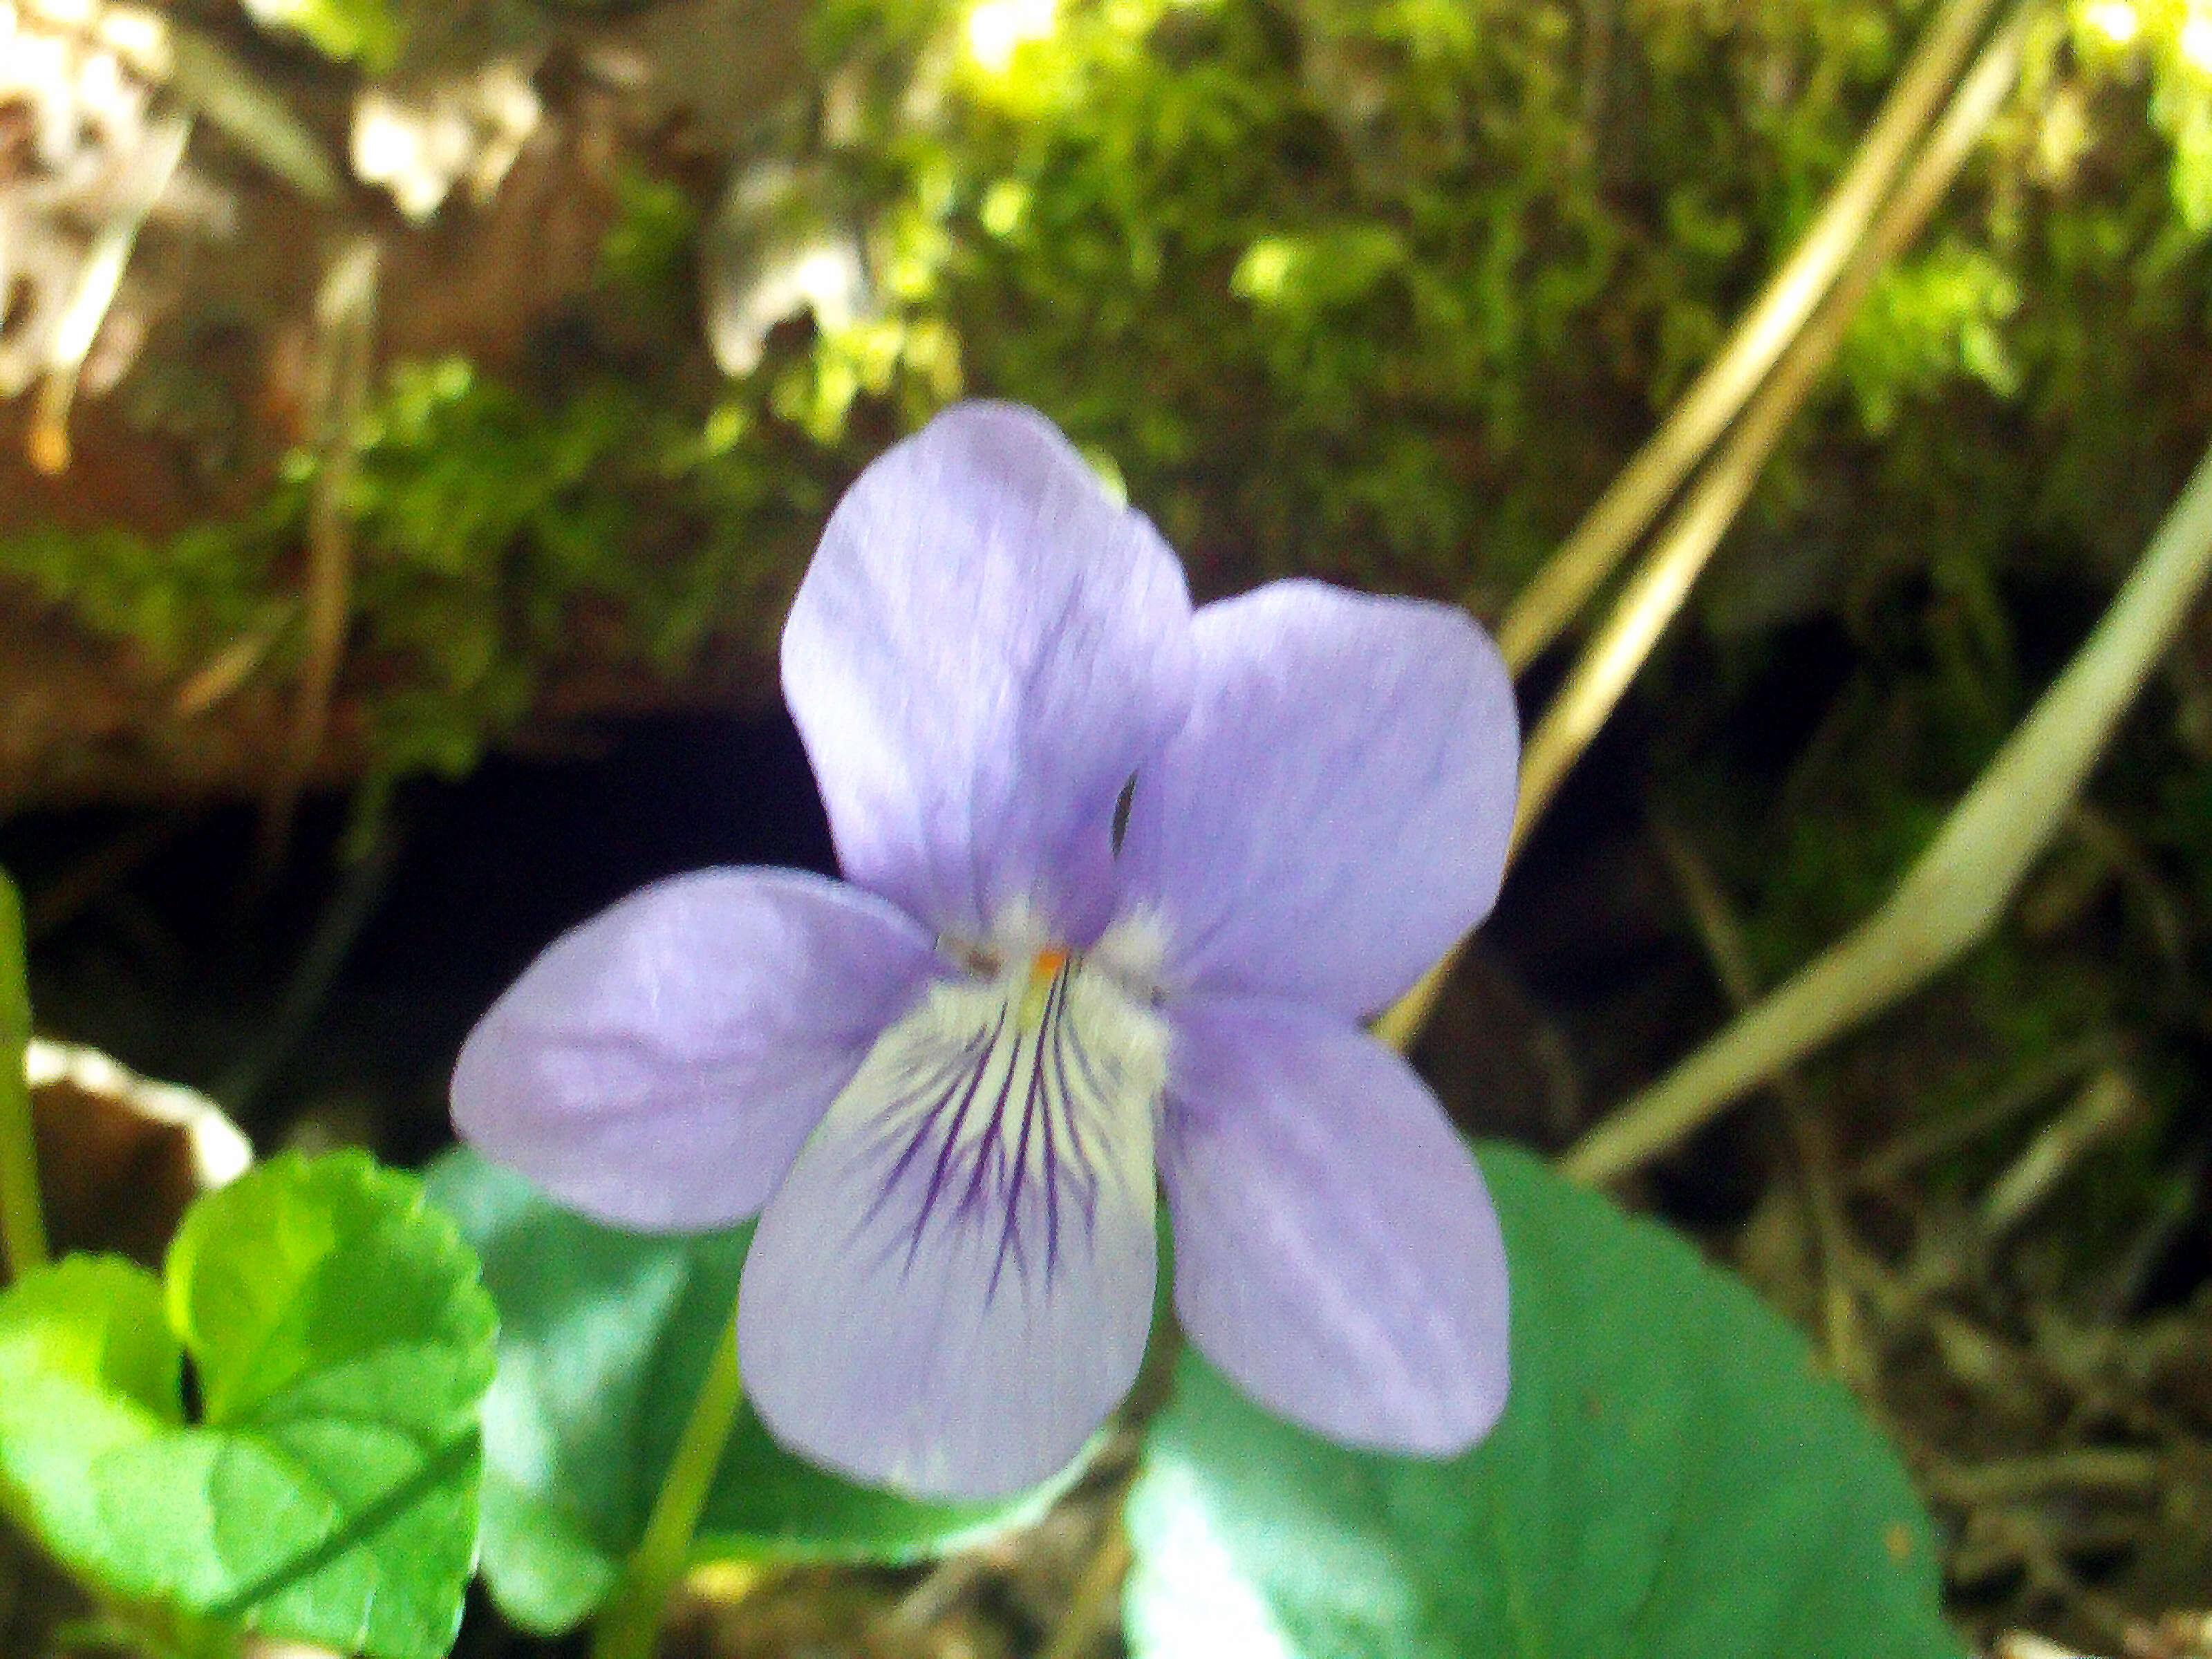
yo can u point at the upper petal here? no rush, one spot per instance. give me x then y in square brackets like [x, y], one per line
[660, 1066]
[1336, 1254]
[983, 650]
[953, 1287]
[1334, 814]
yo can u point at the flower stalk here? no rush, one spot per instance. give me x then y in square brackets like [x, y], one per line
[632, 1617]
[23, 1222]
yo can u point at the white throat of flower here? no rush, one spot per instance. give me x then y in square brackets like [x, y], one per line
[1015, 1099]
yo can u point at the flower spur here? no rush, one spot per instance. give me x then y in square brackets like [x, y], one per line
[1121, 877]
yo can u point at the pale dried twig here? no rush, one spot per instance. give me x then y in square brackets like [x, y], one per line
[2117, 1470]
[215, 679]
[1095, 1604]
[1915, 1148]
[224, 90]
[150, 171]
[1843, 1322]
[1959, 887]
[2105, 1105]
[345, 317]
[1635, 497]
[1656, 593]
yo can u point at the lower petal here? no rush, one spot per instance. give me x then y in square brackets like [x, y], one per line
[1336, 1254]
[659, 1066]
[954, 1286]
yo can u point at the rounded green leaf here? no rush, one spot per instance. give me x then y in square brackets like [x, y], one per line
[328, 1492]
[1672, 1479]
[89, 1367]
[604, 1337]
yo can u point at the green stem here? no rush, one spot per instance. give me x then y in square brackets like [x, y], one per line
[22, 1224]
[631, 1619]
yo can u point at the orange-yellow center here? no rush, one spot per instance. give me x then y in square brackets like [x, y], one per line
[1044, 967]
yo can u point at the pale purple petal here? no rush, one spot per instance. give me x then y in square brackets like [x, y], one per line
[1336, 1256]
[983, 650]
[659, 1066]
[1333, 815]
[953, 1287]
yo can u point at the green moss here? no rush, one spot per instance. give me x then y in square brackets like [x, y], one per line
[368, 32]
[496, 539]
[176, 599]
[499, 535]
[1386, 290]
[1378, 289]
[646, 253]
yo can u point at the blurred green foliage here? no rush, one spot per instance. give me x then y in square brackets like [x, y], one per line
[1376, 289]
[1384, 289]
[370, 32]
[497, 535]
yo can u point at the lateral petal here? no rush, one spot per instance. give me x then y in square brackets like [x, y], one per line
[660, 1066]
[1336, 1254]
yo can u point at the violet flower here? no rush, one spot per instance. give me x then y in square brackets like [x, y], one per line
[1120, 879]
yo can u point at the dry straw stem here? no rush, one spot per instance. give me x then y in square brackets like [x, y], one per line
[1954, 1131]
[345, 322]
[1851, 1355]
[1588, 556]
[1661, 585]
[2124, 1470]
[2107, 1105]
[251, 113]
[1955, 895]
[1094, 1609]
[101, 275]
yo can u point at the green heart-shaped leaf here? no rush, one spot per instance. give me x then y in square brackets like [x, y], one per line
[604, 1337]
[91, 1368]
[341, 1344]
[1671, 1480]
